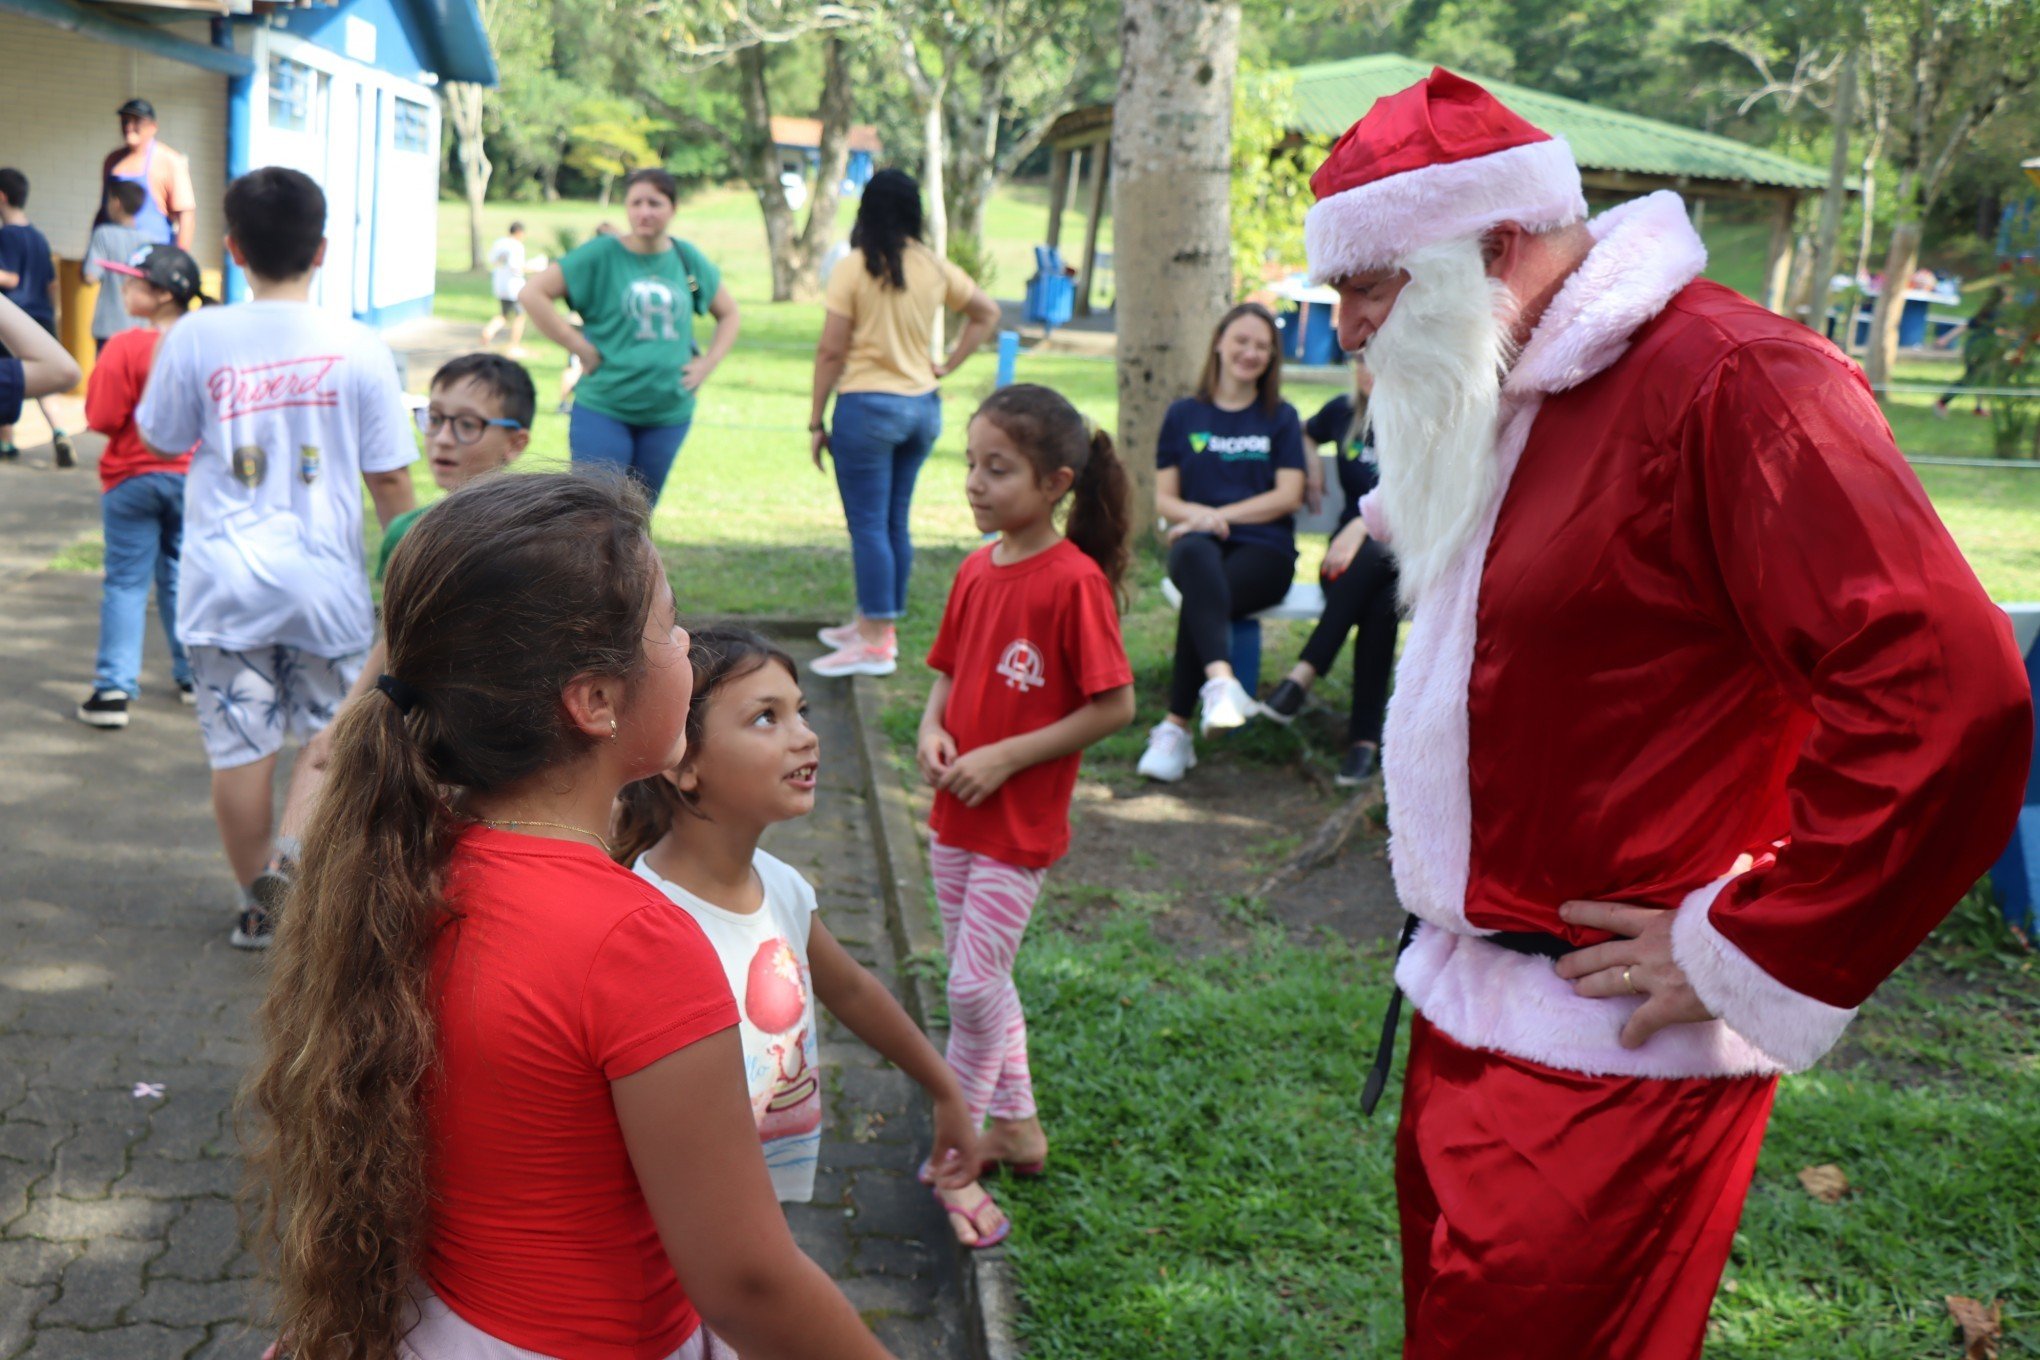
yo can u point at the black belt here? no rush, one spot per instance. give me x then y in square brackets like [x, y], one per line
[1515, 941]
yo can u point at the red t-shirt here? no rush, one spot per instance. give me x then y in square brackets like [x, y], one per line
[562, 973]
[118, 377]
[1023, 646]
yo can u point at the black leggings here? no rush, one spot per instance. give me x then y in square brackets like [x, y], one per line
[1362, 597]
[1221, 581]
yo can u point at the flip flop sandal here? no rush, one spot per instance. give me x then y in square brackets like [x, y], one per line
[975, 1217]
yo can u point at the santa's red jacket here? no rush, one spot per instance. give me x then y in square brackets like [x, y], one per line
[1712, 616]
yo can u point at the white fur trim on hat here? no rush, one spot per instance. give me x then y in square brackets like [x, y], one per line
[1374, 225]
[1792, 1027]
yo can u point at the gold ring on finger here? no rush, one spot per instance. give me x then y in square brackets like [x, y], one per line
[1628, 982]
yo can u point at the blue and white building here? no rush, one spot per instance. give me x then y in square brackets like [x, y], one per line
[345, 91]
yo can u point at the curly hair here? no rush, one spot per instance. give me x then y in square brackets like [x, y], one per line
[497, 598]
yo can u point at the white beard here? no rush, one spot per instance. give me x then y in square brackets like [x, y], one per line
[1438, 363]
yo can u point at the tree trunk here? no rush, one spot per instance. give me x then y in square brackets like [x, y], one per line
[936, 216]
[1900, 260]
[464, 107]
[760, 168]
[974, 161]
[602, 194]
[837, 109]
[1827, 237]
[1172, 252]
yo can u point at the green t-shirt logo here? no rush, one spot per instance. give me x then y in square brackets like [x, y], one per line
[1199, 440]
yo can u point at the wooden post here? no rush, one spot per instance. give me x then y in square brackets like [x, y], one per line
[1101, 165]
[1778, 268]
[1058, 193]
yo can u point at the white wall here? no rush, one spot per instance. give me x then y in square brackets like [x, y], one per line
[57, 124]
[382, 217]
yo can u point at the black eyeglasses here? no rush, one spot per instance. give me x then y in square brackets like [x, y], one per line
[466, 429]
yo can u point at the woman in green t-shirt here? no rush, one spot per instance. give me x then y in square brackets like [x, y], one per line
[638, 296]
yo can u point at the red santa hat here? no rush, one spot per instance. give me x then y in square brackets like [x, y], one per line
[1439, 161]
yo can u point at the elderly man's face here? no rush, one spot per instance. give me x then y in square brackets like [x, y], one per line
[1365, 301]
[136, 131]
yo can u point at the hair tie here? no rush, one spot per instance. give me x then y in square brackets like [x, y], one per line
[401, 694]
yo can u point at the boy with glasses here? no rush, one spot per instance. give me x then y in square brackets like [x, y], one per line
[477, 420]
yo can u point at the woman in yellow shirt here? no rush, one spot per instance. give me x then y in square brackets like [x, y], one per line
[875, 350]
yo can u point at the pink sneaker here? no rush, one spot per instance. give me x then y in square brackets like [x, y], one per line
[859, 659]
[839, 637]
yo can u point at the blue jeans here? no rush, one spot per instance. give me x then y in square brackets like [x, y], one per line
[879, 442]
[646, 452]
[144, 522]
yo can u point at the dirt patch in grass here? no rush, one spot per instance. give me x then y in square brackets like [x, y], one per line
[1190, 856]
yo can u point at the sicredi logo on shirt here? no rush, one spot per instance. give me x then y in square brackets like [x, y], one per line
[1234, 448]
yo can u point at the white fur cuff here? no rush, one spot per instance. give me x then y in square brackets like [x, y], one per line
[1791, 1027]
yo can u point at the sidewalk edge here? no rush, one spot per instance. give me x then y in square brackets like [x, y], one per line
[991, 1295]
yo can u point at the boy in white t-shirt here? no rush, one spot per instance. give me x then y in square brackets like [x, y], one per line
[288, 406]
[507, 268]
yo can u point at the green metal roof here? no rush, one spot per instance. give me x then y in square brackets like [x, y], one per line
[1331, 96]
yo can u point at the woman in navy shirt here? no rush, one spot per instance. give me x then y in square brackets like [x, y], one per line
[1230, 478]
[1359, 582]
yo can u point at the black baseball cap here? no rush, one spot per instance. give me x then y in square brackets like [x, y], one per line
[137, 108]
[167, 267]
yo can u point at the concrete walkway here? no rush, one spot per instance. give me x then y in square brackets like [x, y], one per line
[118, 1235]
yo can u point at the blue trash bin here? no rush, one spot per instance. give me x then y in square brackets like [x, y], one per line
[1051, 293]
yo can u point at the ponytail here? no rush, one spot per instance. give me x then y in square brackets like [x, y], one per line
[1101, 512]
[644, 814]
[1044, 426]
[351, 1041]
[500, 595]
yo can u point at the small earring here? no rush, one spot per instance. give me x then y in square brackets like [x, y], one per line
[612, 729]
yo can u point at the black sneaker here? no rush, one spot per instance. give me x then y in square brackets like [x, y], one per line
[1285, 703]
[9, 454]
[257, 925]
[1356, 767]
[106, 708]
[187, 694]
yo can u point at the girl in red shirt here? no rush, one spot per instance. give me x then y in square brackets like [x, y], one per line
[501, 1106]
[1032, 670]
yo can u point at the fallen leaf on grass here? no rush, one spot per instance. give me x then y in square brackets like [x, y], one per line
[1981, 1325]
[1825, 1183]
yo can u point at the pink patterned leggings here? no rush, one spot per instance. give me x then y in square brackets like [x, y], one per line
[985, 905]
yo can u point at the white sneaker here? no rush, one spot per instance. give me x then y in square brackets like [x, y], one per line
[839, 637]
[1224, 703]
[857, 659]
[1170, 752]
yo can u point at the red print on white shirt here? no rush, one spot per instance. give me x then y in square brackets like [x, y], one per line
[266, 387]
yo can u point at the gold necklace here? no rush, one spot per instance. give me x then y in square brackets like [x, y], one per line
[556, 826]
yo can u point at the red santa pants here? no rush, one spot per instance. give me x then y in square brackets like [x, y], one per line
[1549, 1215]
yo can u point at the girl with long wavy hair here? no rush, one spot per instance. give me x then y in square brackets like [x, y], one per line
[883, 302]
[501, 1109]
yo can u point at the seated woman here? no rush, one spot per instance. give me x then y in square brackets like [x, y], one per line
[1230, 478]
[1359, 582]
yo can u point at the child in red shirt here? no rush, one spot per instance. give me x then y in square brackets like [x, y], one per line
[1032, 670]
[500, 1107]
[141, 496]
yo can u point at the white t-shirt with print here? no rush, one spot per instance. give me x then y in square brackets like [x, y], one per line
[765, 956]
[506, 277]
[289, 405]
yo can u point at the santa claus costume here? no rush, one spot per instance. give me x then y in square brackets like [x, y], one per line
[1705, 647]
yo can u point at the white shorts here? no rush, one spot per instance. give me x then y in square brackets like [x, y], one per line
[442, 1334]
[249, 701]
